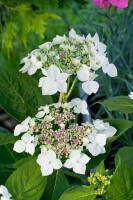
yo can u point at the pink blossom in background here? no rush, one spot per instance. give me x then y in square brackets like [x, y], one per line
[107, 3]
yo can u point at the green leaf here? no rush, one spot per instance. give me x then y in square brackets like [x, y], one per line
[121, 187]
[20, 95]
[79, 193]
[122, 125]
[6, 138]
[27, 182]
[101, 168]
[56, 184]
[122, 104]
[124, 155]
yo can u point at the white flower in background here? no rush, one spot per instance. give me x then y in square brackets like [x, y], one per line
[4, 192]
[104, 128]
[89, 86]
[24, 126]
[131, 95]
[48, 162]
[77, 161]
[59, 39]
[97, 144]
[55, 81]
[46, 46]
[80, 106]
[31, 64]
[26, 144]
[42, 111]
[109, 69]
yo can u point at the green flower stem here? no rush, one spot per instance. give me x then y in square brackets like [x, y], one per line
[71, 88]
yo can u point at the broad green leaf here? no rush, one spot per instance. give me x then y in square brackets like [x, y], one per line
[122, 104]
[101, 168]
[27, 182]
[124, 155]
[121, 187]
[20, 95]
[79, 193]
[6, 138]
[56, 184]
[122, 125]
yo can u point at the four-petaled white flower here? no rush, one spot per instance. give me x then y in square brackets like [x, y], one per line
[80, 106]
[27, 144]
[5, 193]
[55, 81]
[48, 162]
[131, 95]
[89, 86]
[24, 126]
[104, 128]
[32, 64]
[109, 69]
[42, 111]
[97, 144]
[77, 161]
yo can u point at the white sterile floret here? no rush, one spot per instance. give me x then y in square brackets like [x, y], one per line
[99, 45]
[75, 37]
[104, 128]
[59, 39]
[5, 193]
[42, 111]
[131, 95]
[26, 144]
[80, 106]
[66, 105]
[89, 86]
[48, 162]
[32, 64]
[55, 81]
[109, 69]
[77, 161]
[24, 126]
[46, 46]
[97, 144]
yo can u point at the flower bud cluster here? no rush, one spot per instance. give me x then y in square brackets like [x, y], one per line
[100, 182]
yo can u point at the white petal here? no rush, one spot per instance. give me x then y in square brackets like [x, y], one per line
[49, 87]
[84, 159]
[79, 168]
[84, 111]
[111, 70]
[51, 155]
[32, 70]
[100, 139]
[44, 71]
[46, 170]
[72, 33]
[94, 149]
[69, 163]
[30, 148]
[90, 87]
[63, 77]
[19, 146]
[41, 81]
[75, 101]
[99, 124]
[40, 114]
[75, 154]
[41, 159]
[27, 137]
[53, 72]
[18, 130]
[101, 47]
[56, 164]
[83, 74]
[62, 87]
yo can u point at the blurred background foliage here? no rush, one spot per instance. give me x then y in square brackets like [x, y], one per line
[25, 24]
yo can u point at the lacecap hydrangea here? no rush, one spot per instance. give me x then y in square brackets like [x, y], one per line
[61, 140]
[74, 55]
